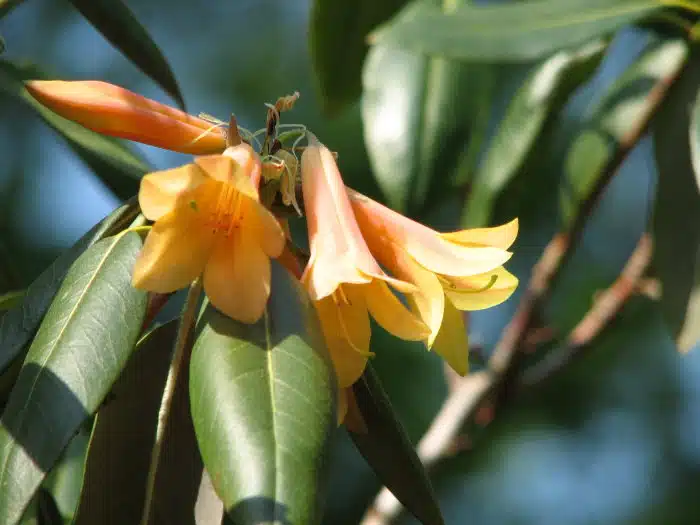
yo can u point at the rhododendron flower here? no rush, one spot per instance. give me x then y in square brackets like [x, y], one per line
[451, 271]
[112, 110]
[342, 276]
[209, 220]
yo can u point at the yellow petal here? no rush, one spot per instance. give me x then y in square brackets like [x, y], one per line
[480, 291]
[175, 252]
[380, 225]
[268, 229]
[237, 276]
[118, 112]
[160, 191]
[452, 342]
[498, 237]
[224, 169]
[346, 330]
[391, 314]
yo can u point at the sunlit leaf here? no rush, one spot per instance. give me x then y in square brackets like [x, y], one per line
[509, 31]
[389, 451]
[118, 24]
[17, 326]
[79, 351]
[262, 400]
[417, 112]
[625, 109]
[676, 224]
[113, 162]
[124, 433]
[544, 92]
[338, 32]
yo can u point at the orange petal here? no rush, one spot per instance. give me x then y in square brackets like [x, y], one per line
[346, 330]
[268, 230]
[452, 342]
[237, 276]
[424, 244]
[112, 110]
[160, 191]
[480, 291]
[339, 253]
[391, 314]
[342, 409]
[498, 237]
[354, 421]
[175, 252]
[236, 172]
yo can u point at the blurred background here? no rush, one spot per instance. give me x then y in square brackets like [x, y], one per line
[613, 439]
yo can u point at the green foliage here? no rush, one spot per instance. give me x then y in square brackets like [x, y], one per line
[518, 32]
[263, 402]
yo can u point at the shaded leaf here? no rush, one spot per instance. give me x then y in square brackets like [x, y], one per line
[262, 399]
[79, 351]
[65, 479]
[508, 32]
[676, 222]
[8, 5]
[17, 326]
[118, 24]
[625, 110]
[124, 433]
[389, 451]
[10, 300]
[337, 34]
[417, 112]
[111, 160]
[542, 95]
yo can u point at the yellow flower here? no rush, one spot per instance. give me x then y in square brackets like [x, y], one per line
[209, 220]
[112, 110]
[451, 271]
[342, 276]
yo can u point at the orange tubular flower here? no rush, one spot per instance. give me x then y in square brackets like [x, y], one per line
[451, 271]
[112, 110]
[209, 220]
[342, 277]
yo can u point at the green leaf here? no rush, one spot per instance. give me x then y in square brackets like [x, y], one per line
[676, 223]
[389, 451]
[118, 24]
[508, 32]
[337, 34]
[123, 435]
[695, 138]
[111, 160]
[18, 326]
[625, 108]
[542, 95]
[66, 478]
[262, 399]
[11, 300]
[414, 139]
[80, 350]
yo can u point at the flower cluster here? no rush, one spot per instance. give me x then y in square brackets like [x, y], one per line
[210, 221]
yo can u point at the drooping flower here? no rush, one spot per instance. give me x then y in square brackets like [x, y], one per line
[342, 277]
[118, 112]
[455, 271]
[209, 220]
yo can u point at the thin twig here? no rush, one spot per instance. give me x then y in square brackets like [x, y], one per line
[500, 377]
[181, 343]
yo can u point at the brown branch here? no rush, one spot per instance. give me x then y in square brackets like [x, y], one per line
[501, 375]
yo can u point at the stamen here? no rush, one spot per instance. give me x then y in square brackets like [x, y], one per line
[344, 327]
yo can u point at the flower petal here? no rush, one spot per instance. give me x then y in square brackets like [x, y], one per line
[380, 224]
[237, 276]
[269, 231]
[391, 314]
[118, 112]
[174, 254]
[160, 191]
[497, 237]
[480, 291]
[227, 170]
[346, 330]
[354, 421]
[452, 342]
